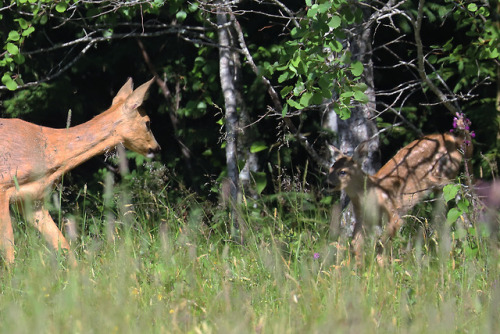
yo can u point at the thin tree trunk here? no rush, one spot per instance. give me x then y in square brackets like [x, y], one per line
[227, 78]
[361, 125]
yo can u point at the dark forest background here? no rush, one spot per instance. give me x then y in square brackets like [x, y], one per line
[295, 70]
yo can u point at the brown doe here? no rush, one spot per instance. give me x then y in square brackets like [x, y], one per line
[33, 158]
[424, 165]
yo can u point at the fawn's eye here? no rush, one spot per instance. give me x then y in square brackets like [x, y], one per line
[341, 173]
[148, 125]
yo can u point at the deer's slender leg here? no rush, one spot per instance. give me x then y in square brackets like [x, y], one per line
[43, 222]
[358, 240]
[6, 232]
[393, 226]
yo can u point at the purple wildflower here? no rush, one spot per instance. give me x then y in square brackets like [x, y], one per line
[316, 256]
[461, 123]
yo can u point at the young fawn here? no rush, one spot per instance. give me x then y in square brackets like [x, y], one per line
[33, 158]
[424, 165]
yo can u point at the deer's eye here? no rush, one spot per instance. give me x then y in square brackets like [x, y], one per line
[148, 125]
[342, 173]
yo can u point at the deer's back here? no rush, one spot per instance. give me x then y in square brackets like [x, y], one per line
[421, 166]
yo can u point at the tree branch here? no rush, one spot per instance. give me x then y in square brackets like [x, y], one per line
[89, 40]
[417, 24]
[276, 99]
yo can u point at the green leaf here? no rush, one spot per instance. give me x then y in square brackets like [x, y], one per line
[201, 105]
[285, 110]
[19, 59]
[312, 11]
[335, 46]
[181, 15]
[61, 7]
[13, 36]
[193, 6]
[361, 86]
[335, 22]
[294, 104]
[260, 181]
[44, 19]
[463, 205]
[326, 200]
[324, 7]
[283, 77]
[357, 68]
[472, 7]
[22, 23]
[453, 215]
[28, 31]
[450, 191]
[286, 90]
[12, 49]
[317, 98]
[108, 33]
[258, 146]
[9, 82]
[305, 99]
[11, 85]
[343, 112]
[360, 96]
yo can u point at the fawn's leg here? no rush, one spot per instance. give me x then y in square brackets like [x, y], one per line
[393, 226]
[43, 222]
[358, 242]
[6, 232]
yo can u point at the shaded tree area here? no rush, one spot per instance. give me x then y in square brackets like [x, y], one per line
[406, 66]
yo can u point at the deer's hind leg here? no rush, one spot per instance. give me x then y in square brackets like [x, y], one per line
[6, 232]
[43, 222]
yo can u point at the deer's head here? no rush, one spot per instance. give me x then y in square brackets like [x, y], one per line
[343, 173]
[346, 171]
[134, 128]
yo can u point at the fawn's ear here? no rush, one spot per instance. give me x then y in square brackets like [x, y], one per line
[364, 150]
[124, 92]
[335, 153]
[135, 99]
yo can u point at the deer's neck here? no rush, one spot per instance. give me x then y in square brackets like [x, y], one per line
[67, 148]
[358, 190]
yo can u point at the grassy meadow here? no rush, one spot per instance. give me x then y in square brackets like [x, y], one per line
[171, 268]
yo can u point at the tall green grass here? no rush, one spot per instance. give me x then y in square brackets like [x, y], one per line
[176, 271]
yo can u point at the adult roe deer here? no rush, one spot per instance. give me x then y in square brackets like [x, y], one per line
[420, 167]
[33, 158]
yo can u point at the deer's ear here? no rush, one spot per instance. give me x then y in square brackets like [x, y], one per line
[124, 92]
[135, 99]
[363, 150]
[335, 153]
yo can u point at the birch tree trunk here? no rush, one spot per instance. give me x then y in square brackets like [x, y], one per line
[361, 125]
[227, 72]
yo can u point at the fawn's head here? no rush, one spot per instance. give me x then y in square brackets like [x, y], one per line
[134, 128]
[342, 173]
[346, 171]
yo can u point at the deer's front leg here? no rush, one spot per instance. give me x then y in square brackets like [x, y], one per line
[43, 222]
[358, 240]
[392, 228]
[6, 232]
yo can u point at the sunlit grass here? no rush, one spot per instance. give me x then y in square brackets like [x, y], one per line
[173, 277]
